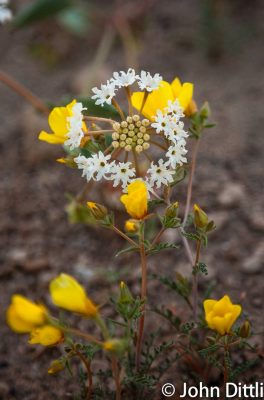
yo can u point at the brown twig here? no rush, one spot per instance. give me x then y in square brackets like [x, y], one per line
[87, 365]
[23, 92]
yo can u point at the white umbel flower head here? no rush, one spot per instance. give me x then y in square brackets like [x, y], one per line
[148, 82]
[122, 173]
[101, 165]
[175, 108]
[176, 133]
[104, 94]
[75, 126]
[95, 167]
[124, 79]
[87, 165]
[160, 174]
[176, 154]
[5, 12]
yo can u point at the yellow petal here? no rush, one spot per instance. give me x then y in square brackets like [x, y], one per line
[209, 305]
[51, 138]
[58, 119]
[67, 293]
[17, 324]
[185, 95]
[47, 335]
[176, 87]
[157, 100]
[28, 311]
[136, 201]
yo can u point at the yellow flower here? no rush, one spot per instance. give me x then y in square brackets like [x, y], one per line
[67, 293]
[23, 315]
[46, 335]
[59, 125]
[222, 314]
[131, 225]
[136, 201]
[158, 99]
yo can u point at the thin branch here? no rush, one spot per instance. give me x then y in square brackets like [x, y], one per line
[23, 92]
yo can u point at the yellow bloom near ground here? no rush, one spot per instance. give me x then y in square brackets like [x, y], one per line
[136, 200]
[222, 314]
[46, 335]
[67, 293]
[158, 99]
[23, 315]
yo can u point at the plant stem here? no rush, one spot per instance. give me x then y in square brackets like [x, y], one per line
[99, 119]
[128, 93]
[143, 298]
[190, 182]
[158, 145]
[124, 236]
[116, 376]
[87, 365]
[96, 133]
[86, 336]
[188, 201]
[157, 237]
[195, 281]
[146, 93]
[118, 108]
[23, 92]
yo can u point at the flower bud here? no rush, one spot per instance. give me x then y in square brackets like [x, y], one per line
[125, 296]
[200, 217]
[244, 330]
[98, 211]
[55, 367]
[117, 346]
[132, 226]
[172, 210]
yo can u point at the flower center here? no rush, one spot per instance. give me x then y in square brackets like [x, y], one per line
[131, 134]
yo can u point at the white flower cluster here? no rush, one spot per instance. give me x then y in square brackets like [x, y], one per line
[75, 126]
[168, 122]
[5, 12]
[98, 166]
[120, 79]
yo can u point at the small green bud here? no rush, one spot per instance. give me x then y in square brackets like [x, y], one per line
[56, 366]
[125, 296]
[172, 210]
[244, 330]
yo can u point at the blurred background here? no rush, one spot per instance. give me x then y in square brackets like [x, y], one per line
[63, 48]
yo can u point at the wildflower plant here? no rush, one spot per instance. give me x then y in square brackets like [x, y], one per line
[142, 150]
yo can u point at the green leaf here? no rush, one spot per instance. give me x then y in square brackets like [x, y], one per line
[107, 111]
[161, 246]
[179, 175]
[39, 10]
[192, 236]
[127, 250]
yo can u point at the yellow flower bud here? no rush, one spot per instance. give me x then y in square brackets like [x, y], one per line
[222, 314]
[56, 366]
[131, 225]
[172, 210]
[125, 296]
[23, 315]
[136, 201]
[67, 293]
[200, 217]
[117, 346]
[244, 330]
[46, 335]
[98, 211]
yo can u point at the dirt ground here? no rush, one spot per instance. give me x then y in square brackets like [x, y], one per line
[36, 239]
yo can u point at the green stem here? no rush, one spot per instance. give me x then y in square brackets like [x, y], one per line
[143, 259]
